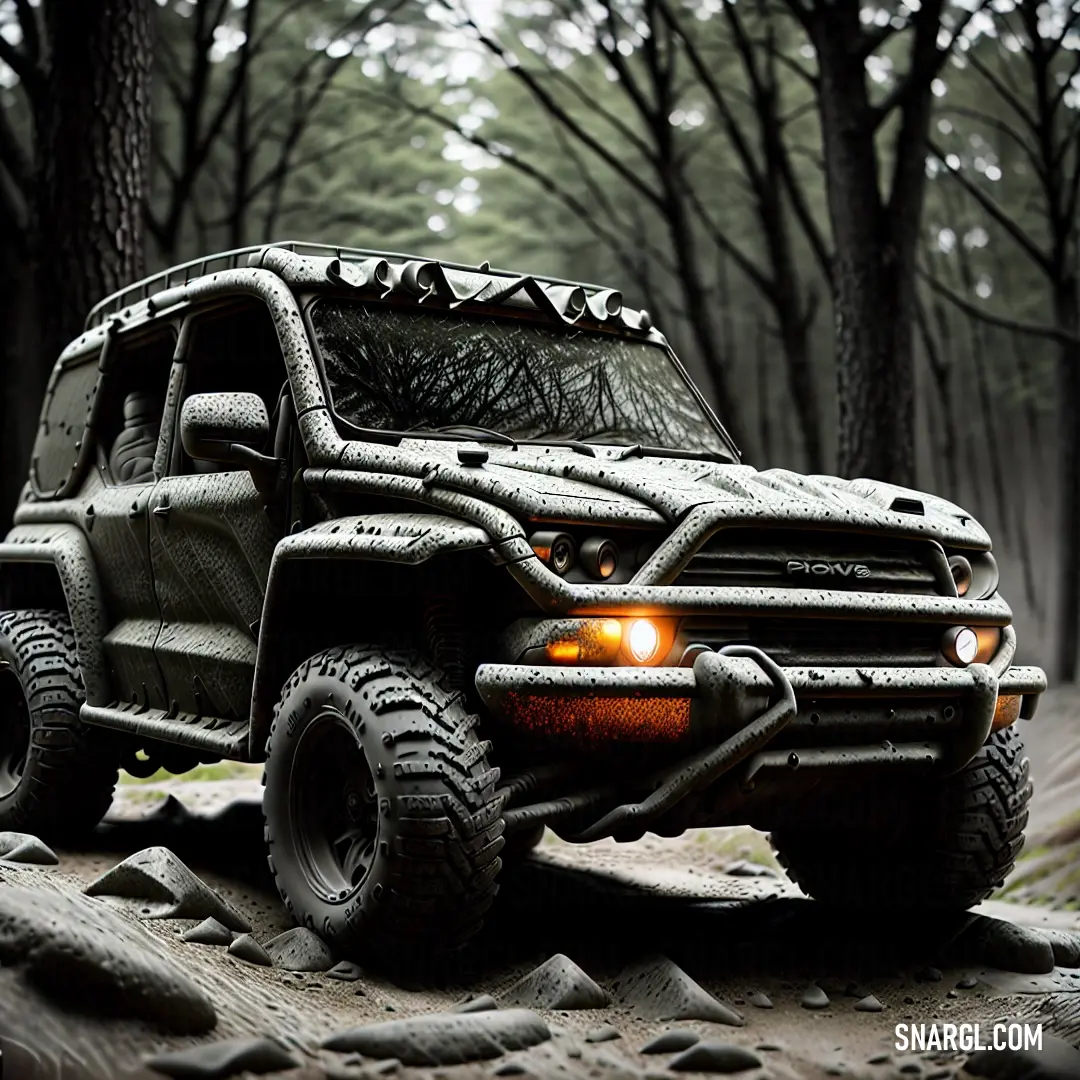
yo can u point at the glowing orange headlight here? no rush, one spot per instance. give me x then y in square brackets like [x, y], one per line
[989, 642]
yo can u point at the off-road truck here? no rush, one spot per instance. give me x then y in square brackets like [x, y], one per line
[458, 554]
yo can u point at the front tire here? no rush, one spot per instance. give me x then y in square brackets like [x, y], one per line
[383, 822]
[941, 844]
[56, 774]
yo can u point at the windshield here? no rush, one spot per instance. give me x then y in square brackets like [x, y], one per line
[402, 369]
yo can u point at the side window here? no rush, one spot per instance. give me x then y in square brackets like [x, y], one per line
[233, 350]
[133, 400]
[65, 411]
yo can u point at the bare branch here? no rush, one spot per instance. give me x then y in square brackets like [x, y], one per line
[1062, 337]
[996, 211]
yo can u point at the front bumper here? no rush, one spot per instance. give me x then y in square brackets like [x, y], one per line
[845, 715]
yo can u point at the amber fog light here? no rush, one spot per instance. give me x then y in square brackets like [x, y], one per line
[1006, 711]
[600, 557]
[643, 640]
[960, 645]
[989, 643]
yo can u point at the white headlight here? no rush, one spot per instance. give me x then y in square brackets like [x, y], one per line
[643, 640]
[960, 645]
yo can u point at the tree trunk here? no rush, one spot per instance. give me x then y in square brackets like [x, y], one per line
[93, 128]
[1067, 317]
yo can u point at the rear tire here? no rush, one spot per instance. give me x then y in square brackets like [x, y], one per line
[383, 822]
[944, 844]
[56, 774]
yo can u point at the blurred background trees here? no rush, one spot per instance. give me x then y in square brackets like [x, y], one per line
[858, 222]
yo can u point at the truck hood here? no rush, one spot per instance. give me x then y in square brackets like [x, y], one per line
[537, 483]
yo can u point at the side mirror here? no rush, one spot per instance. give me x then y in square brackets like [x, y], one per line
[224, 427]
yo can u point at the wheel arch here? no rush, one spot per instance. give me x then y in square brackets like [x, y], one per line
[372, 574]
[51, 566]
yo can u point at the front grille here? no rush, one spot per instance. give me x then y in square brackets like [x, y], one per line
[825, 642]
[800, 558]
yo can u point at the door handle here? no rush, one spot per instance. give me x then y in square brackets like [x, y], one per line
[162, 510]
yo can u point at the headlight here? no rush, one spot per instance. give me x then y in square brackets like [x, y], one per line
[599, 557]
[643, 639]
[960, 645]
[961, 574]
[554, 548]
[975, 573]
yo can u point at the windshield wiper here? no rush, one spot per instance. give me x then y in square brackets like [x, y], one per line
[670, 452]
[474, 431]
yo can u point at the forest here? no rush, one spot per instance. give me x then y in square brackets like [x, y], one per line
[857, 222]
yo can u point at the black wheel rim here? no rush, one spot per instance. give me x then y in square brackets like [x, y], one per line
[334, 816]
[14, 730]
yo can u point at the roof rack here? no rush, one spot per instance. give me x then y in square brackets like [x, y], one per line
[231, 260]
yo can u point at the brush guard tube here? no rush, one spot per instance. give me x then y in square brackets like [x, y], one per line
[695, 772]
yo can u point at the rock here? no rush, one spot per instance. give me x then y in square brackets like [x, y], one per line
[18, 847]
[345, 971]
[245, 947]
[868, 1004]
[658, 989]
[968, 982]
[300, 949]
[483, 1003]
[760, 1000]
[208, 932]
[227, 1057]
[879, 1059]
[814, 997]
[671, 1042]
[1003, 945]
[88, 959]
[445, 1038]
[558, 983]
[928, 974]
[607, 1033]
[715, 1057]
[745, 868]
[155, 884]
[509, 1068]
[1066, 947]
[1057, 1060]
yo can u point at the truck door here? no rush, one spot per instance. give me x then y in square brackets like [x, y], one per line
[116, 514]
[212, 534]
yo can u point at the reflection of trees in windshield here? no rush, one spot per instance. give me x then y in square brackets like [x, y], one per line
[403, 369]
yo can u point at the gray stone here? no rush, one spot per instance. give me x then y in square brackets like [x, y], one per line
[671, 1042]
[658, 989]
[208, 932]
[868, 1004]
[607, 1033]
[968, 982]
[482, 1003]
[345, 971]
[745, 868]
[227, 1057]
[86, 958]
[155, 884]
[1057, 1060]
[1066, 947]
[1003, 945]
[509, 1068]
[715, 1057]
[558, 983]
[20, 847]
[814, 997]
[245, 947]
[929, 974]
[445, 1038]
[760, 1000]
[300, 949]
